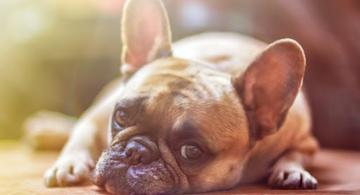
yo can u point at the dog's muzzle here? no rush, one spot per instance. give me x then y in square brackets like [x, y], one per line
[134, 168]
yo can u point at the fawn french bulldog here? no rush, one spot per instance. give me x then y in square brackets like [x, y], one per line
[206, 113]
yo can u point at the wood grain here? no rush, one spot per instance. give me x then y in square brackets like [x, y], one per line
[21, 172]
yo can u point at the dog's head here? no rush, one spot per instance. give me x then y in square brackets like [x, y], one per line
[182, 126]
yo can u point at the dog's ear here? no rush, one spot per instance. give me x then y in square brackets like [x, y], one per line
[269, 86]
[146, 34]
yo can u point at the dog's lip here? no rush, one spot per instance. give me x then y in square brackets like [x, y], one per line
[166, 179]
[170, 169]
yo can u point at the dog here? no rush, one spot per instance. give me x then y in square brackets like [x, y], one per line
[206, 113]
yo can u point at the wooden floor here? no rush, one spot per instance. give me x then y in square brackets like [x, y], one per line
[21, 172]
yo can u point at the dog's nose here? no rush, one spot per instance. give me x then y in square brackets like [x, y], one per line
[141, 150]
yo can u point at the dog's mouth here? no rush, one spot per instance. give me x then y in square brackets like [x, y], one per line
[116, 176]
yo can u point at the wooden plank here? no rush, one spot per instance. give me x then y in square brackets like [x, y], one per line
[21, 172]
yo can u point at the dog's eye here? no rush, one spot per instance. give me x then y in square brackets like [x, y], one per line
[120, 121]
[190, 152]
[121, 118]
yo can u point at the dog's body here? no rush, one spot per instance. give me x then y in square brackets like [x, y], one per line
[209, 89]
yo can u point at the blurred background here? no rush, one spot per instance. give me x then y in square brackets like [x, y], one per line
[57, 55]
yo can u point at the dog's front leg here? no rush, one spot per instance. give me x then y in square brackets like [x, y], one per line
[289, 172]
[87, 141]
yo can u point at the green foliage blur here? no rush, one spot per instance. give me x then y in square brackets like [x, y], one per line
[54, 55]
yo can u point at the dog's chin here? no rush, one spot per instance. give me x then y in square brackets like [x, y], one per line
[117, 177]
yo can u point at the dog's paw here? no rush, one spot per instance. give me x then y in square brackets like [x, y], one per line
[69, 169]
[292, 178]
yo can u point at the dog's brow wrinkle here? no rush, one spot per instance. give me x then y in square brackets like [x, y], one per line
[185, 127]
[188, 125]
[130, 102]
[203, 91]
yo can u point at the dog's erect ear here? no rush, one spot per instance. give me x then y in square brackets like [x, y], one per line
[269, 86]
[145, 34]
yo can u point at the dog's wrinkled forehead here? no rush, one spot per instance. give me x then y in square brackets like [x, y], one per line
[172, 87]
[179, 81]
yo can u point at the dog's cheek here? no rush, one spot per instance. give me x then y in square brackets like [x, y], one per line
[153, 178]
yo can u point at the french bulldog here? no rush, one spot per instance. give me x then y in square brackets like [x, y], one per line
[206, 113]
